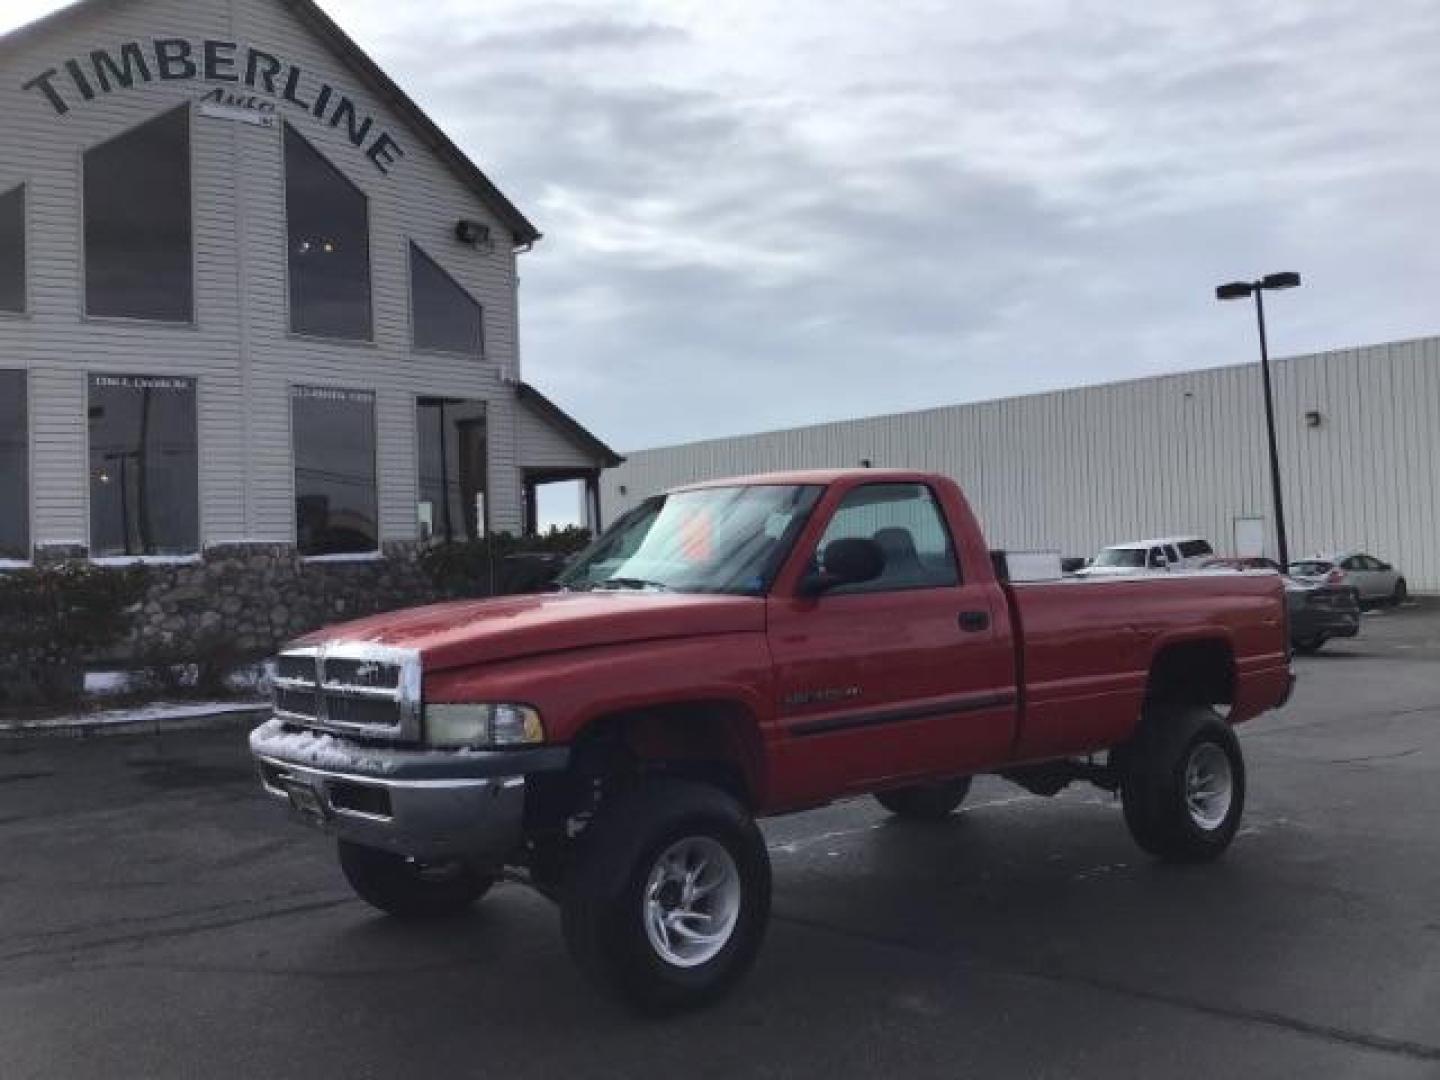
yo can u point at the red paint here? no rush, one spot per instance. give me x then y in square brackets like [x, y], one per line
[1060, 670]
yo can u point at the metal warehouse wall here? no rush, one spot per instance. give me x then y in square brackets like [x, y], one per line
[1078, 469]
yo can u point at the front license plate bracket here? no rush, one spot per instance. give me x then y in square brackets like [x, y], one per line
[306, 800]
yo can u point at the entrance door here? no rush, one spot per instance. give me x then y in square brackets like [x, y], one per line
[473, 469]
[907, 676]
[1249, 537]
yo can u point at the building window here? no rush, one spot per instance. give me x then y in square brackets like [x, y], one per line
[443, 316]
[138, 262]
[14, 467]
[144, 466]
[453, 466]
[328, 219]
[335, 497]
[12, 251]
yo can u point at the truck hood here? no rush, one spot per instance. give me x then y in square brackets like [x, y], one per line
[467, 632]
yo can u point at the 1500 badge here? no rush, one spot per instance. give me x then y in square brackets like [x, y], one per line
[825, 696]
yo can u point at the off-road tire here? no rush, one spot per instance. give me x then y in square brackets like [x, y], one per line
[1153, 787]
[409, 889]
[605, 902]
[926, 802]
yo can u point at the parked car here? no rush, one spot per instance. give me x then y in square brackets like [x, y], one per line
[744, 648]
[1376, 582]
[1320, 611]
[1161, 553]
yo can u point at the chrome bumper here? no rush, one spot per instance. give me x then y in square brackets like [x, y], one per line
[425, 804]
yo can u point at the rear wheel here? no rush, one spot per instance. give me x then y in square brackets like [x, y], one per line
[669, 895]
[1183, 784]
[926, 802]
[411, 889]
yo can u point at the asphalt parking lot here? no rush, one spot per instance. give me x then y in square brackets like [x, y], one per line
[159, 918]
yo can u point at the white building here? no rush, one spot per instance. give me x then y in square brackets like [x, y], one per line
[1074, 470]
[250, 296]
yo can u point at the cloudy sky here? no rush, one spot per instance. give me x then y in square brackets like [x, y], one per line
[760, 214]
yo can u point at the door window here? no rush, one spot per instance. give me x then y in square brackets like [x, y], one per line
[906, 522]
[453, 468]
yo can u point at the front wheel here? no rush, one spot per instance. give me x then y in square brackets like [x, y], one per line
[669, 895]
[1183, 784]
[926, 802]
[411, 889]
[1310, 646]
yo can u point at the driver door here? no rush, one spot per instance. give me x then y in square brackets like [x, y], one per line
[906, 677]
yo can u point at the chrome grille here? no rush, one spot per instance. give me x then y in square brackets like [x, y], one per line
[350, 689]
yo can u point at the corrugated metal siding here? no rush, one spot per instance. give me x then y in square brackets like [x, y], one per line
[240, 349]
[1184, 453]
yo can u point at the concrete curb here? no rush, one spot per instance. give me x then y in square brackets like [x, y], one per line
[229, 720]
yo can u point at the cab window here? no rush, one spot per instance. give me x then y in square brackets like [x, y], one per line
[907, 523]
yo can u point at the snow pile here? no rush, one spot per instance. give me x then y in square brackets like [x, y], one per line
[318, 750]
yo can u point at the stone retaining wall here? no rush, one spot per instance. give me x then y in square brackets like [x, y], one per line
[252, 598]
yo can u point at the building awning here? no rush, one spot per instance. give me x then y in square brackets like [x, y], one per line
[552, 441]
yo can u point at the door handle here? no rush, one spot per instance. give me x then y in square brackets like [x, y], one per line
[973, 622]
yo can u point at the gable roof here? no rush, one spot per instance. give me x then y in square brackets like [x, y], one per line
[369, 72]
[567, 425]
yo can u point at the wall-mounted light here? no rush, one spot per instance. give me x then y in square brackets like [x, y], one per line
[474, 233]
[1313, 418]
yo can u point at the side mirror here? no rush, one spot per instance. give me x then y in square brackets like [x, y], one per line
[847, 561]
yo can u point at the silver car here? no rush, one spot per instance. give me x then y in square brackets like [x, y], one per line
[1376, 582]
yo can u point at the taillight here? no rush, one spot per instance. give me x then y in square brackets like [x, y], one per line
[1335, 577]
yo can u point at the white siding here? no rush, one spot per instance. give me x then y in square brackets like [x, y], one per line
[240, 349]
[1185, 453]
[542, 446]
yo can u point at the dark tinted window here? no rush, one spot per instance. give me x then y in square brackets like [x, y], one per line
[329, 242]
[144, 474]
[1193, 549]
[14, 468]
[445, 317]
[906, 522]
[137, 223]
[453, 464]
[12, 250]
[335, 500]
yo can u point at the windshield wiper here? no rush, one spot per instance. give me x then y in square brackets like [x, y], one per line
[631, 583]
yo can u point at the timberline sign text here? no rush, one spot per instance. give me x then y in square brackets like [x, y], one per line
[221, 62]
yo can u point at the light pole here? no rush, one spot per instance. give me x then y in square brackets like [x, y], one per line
[1238, 290]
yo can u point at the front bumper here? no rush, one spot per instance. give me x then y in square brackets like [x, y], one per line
[423, 803]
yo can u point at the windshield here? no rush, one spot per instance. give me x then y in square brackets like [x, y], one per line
[714, 540]
[1128, 557]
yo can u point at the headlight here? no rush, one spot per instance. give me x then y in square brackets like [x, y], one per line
[482, 725]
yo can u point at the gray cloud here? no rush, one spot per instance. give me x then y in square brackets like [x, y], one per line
[761, 214]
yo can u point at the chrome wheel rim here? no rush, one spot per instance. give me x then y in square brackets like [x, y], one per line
[1209, 786]
[692, 901]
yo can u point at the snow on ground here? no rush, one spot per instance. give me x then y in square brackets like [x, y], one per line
[155, 712]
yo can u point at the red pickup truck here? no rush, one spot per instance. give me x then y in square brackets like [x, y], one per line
[744, 648]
